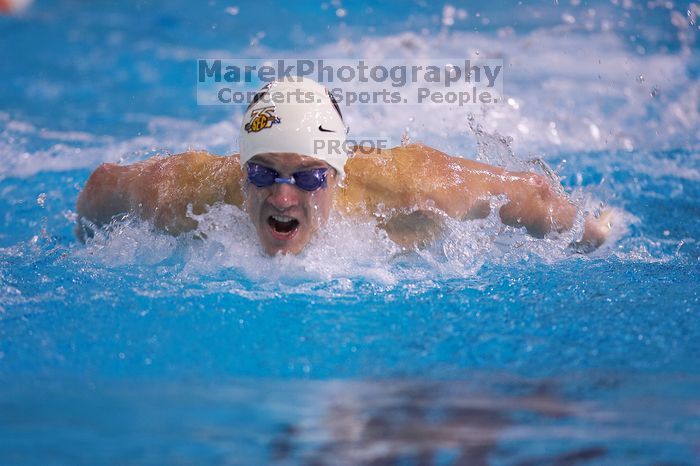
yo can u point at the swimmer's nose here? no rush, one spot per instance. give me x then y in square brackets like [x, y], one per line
[283, 196]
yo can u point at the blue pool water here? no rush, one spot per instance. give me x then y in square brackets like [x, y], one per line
[490, 347]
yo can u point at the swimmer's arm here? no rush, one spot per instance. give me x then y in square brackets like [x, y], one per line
[420, 177]
[532, 201]
[160, 189]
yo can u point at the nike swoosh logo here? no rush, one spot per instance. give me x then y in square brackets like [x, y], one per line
[321, 128]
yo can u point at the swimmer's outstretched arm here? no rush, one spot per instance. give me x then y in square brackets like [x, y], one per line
[422, 177]
[160, 189]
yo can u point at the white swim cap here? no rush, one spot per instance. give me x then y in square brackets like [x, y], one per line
[295, 115]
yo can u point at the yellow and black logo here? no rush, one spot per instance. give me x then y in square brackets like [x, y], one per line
[261, 119]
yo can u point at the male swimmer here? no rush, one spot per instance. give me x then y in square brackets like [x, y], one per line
[292, 172]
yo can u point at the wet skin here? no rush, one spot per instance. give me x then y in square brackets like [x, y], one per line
[285, 216]
[407, 190]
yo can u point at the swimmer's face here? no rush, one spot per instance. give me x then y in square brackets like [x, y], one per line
[285, 216]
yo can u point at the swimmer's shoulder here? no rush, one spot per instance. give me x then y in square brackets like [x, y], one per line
[376, 175]
[415, 159]
[201, 159]
[396, 160]
[402, 172]
[199, 163]
[363, 155]
[393, 178]
[220, 172]
[212, 177]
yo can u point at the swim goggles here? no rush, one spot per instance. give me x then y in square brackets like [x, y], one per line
[308, 180]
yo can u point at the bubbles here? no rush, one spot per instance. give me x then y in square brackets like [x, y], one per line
[448, 14]
[693, 13]
[568, 18]
[128, 242]
[493, 148]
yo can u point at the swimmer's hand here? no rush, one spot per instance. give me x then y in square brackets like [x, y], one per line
[541, 207]
[160, 189]
[596, 230]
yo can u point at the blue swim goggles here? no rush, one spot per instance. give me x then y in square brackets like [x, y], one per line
[308, 180]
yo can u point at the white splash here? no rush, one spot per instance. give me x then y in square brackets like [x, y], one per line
[346, 249]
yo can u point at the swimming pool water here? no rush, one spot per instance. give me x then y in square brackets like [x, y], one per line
[489, 347]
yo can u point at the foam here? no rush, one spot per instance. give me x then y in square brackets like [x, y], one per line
[347, 251]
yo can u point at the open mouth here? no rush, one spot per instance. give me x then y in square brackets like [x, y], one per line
[282, 227]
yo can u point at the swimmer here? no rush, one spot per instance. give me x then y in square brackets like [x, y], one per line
[290, 175]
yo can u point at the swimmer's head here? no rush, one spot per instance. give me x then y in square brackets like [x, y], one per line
[292, 143]
[288, 198]
[295, 115]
